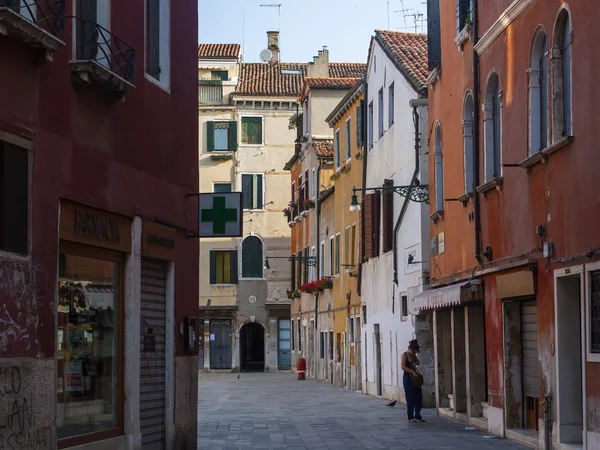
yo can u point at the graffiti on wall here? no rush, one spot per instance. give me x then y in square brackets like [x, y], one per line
[24, 290]
[19, 428]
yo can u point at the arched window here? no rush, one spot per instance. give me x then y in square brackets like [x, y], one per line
[252, 257]
[439, 169]
[561, 77]
[492, 129]
[467, 123]
[538, 95]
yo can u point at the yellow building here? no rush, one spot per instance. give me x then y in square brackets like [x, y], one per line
[346, 122]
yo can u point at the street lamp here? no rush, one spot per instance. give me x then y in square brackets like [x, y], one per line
[308, 260]
[354, 206]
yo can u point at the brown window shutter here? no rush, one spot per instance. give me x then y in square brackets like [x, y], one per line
[376, 211]
[388, 217]
[367, 227]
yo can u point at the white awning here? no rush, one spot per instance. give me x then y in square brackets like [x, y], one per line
[444, 297]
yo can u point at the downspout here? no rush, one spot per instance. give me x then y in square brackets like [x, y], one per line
[365, 136]
[476, 203]
[317, 190]
[415, 104]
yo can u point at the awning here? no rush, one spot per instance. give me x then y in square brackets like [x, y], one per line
[448, 296]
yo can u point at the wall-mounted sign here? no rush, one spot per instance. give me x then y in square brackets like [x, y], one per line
[158, 241]
[441, 243]
[220, 214]
[434, 246]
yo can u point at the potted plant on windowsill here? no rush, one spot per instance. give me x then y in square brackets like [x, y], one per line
[292, 294]
[308, 204]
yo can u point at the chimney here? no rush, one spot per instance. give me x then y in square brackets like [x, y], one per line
[273, 45]
[319, 67]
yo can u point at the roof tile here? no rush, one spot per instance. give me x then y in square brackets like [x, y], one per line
[323, 149]
[331, 83]
[218, 50]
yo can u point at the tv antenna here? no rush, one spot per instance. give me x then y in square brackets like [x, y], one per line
[278, 6]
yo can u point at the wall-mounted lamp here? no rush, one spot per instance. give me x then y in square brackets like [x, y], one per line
[416, 193]
[308, 260]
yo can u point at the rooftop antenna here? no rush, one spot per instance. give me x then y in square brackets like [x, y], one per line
[278, 6]
[388, 10]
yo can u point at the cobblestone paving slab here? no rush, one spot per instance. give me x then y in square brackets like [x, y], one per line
[276, 411]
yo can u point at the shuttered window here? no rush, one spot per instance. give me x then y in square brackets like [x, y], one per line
[376, 211]
[221, 136]
[252, 132]
[223, 267]
[348, 151]
[337, 254]
[252, 258]
[370, 130]
[391, 105]
[337, 149]
[367, 227]
[359, 124]
[153, 38]
[14, 198]
[434, 46]
[380, 112]
[388, 217]
[252, 191]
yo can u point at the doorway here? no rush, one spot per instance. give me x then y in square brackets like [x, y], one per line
[378, 368]
[569, 359]
[252, 348]
[284, 358]
[220, 344]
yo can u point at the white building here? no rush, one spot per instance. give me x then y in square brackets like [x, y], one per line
[394, 228]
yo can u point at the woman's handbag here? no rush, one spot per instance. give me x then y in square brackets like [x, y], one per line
[417, 380]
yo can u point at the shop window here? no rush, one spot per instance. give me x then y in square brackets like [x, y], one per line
[89, 351]
[221, 136]
[14, 198]
[223, 267]
[252, 191]
[252, 257]
[252, 130]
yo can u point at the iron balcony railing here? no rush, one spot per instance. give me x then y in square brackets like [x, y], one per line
[210, 91]
[94, 42]
[49, 15]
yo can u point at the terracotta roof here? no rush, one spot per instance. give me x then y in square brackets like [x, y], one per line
[218, 50]
[323, 149]
[331, 83]
[287, 79]
[408, 51]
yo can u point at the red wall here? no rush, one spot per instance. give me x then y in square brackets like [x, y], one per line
[134, 157]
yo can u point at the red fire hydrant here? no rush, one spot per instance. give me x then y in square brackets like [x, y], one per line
[301, 368]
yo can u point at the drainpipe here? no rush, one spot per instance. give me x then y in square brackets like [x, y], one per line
[365, 137]
[476, 202]
[415, 104]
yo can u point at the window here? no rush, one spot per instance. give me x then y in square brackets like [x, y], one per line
[364, 315]
[88, 336]
[322, 260]
[158, 40]
[468, 146]
[252, 130]
[89, 43]
[439, 169]
[338, 347]
[463, 14]
[337, 254]
[299, 270]
[594, 319]
[313, 269]
[332, 255]
[221, 136]
[337, 149]
[14, 198]
[404, 305]
[492, 128]
[314, 188]
[252, 191]
[561, 77]
[252, 257]
[371, 221]
[322, 345]
[221, 187]
[538, 96]
[370, 130]
[223, 266]
[306, 185]
[353, 246]
[434, 44]
[359, 124]
[348, 152]
[388, 217]
[219, 75]
[380, 112]
[391, 105]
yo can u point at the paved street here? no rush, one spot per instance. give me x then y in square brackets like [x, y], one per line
[275, 411]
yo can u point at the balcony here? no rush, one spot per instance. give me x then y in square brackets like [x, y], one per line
[103, 59]
[210, 92]
[39, 23]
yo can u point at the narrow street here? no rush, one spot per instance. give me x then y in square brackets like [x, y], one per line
[275, 411]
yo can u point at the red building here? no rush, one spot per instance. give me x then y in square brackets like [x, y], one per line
[515, 273]
[98, 278]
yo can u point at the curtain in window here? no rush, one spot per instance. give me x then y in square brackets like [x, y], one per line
[252, 258]
[252, 130]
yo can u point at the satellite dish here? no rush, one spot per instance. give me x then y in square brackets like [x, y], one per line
[266, 55]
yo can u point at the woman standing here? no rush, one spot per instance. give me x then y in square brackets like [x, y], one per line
[412, 381]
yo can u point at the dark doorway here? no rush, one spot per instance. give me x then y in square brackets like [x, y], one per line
[252, 348]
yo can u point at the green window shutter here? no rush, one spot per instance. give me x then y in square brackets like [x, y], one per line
[359, 123]
[233, 136]
[213, 267]
[234, 266]
[210, 136]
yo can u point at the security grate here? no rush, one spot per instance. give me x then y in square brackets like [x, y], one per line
[595, 313]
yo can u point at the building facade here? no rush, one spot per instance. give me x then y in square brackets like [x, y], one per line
[394, 233]
[520, 268]
[98, 344]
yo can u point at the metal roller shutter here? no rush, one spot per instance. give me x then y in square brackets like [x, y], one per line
[529, 338]
[152, 355]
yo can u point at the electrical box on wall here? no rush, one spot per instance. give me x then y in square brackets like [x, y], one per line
[189, 327]
[548, 249]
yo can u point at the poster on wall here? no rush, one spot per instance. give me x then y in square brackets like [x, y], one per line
[74, 377]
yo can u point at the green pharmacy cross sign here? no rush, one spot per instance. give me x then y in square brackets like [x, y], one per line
[220, 214]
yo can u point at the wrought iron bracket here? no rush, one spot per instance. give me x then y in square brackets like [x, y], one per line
[418, 193]
[308, 260]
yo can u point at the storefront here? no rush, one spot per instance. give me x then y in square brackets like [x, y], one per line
[90, 324]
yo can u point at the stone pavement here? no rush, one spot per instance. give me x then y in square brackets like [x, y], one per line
[275, 411]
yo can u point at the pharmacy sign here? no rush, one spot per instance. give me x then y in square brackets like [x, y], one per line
[220, 214]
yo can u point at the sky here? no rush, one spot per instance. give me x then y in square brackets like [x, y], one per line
[344, 26]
